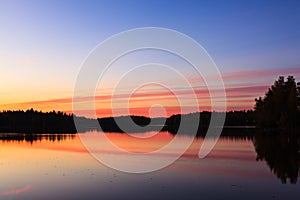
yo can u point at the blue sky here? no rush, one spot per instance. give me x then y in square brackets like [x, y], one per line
[47, 41]
[235, 33]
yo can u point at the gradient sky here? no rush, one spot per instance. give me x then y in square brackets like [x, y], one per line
[43, 44]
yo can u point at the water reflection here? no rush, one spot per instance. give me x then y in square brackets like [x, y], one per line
[281, 153]
[6, 137]
[57, 166]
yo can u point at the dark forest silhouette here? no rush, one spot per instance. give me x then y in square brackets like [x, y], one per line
[234, 119]
[32, 121]
[273, 126]
[277, 137]
[277, 110]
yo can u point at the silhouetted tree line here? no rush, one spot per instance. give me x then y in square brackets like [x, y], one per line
[277, 137]
[279, 108]
[172, 124]
[31, 121]
[234, 119]
[109, 124]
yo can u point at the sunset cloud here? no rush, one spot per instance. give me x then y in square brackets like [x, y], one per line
[16, 191]
[239, 96]
[265, 74]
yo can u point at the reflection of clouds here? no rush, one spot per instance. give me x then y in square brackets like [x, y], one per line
[16, 191]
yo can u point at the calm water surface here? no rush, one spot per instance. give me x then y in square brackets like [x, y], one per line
[59, 167]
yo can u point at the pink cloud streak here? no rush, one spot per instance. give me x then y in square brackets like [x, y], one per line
[16, 191]
[240, 95]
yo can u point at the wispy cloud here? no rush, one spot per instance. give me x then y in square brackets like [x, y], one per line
[261, 74]
[16, 191]
[240, 87]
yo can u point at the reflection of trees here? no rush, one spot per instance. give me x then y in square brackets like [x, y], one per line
[278, 111]
[281, 153]
[35, 137]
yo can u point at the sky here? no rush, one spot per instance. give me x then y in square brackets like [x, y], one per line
[44, 43]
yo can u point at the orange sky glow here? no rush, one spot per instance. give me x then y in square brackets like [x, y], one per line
[241, 90]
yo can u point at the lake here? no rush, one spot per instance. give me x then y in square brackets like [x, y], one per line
[58, 166]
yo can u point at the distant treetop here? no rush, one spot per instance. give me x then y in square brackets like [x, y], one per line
[279, 108]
